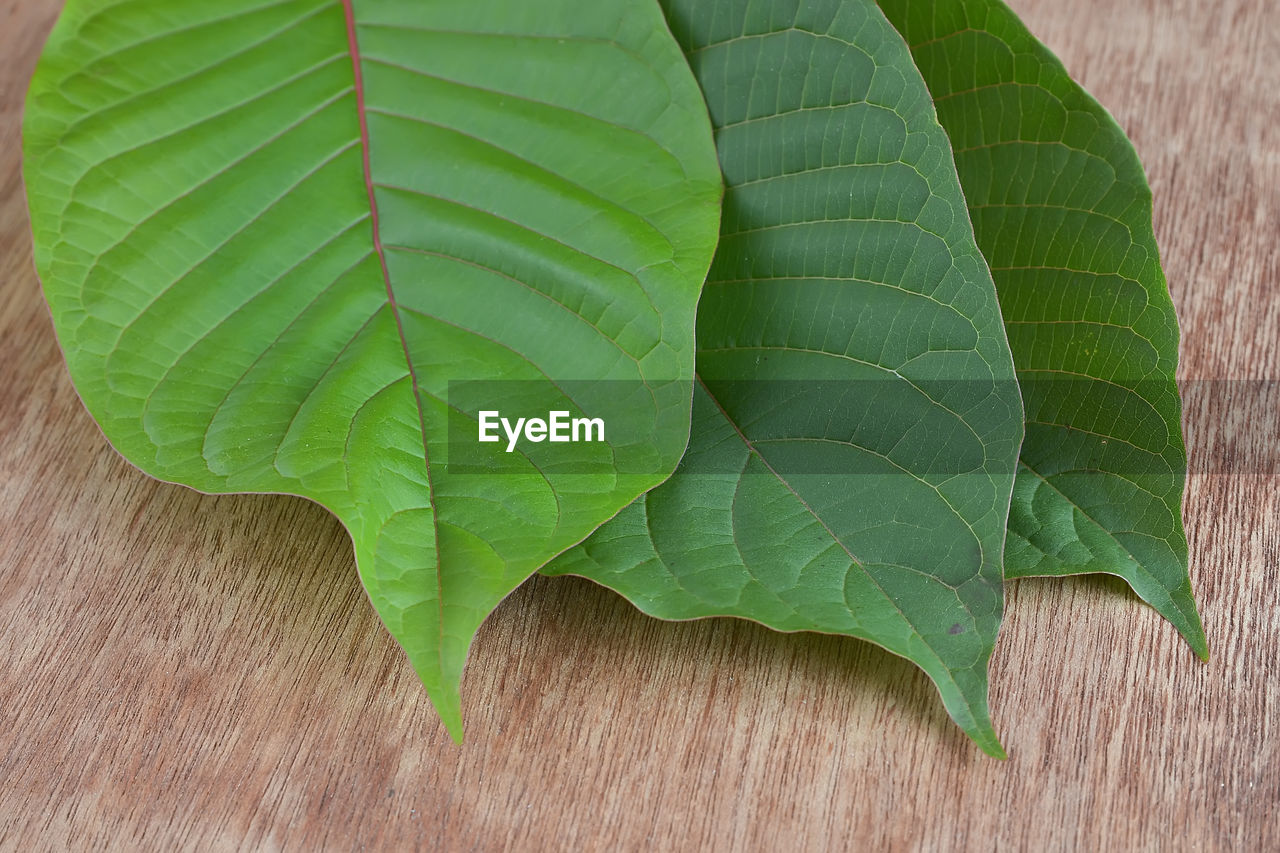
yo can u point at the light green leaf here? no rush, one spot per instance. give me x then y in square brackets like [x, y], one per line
[857, 422]
[273, 235]
[1062, 211]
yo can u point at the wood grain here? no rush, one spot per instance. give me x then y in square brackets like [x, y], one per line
[186, 671]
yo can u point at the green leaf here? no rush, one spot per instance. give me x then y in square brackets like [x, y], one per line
[272, 235]
[857, 422]
[1062, 211]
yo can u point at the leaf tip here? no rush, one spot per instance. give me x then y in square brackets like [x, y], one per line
[444, 693]
[1199, 645]
[455, 730]
[1192, 630]
[449, 708]
[450, 713]
[988, 742]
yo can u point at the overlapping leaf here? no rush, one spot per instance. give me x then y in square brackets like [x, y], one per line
[273, 233]
[1062, 211]
[856, 422]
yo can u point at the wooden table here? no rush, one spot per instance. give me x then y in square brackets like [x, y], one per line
[180, 670]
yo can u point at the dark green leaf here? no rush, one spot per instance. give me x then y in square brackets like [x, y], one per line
[857, 422]
[1062, 211]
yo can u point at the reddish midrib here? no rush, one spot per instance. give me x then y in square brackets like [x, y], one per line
[353, 47]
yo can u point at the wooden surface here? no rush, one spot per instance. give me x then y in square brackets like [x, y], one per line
[180, 670]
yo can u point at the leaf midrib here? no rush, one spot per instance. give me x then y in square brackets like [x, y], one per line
[353, 47]
[751, 448]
